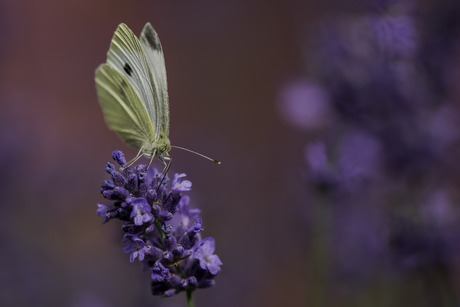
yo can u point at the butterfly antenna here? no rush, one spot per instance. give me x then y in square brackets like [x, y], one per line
[197, 153]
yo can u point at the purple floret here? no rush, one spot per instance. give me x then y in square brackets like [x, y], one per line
[205, 254]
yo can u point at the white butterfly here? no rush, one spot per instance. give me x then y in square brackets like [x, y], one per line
[133, 93]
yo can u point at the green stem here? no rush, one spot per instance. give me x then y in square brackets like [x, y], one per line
[321, 251]
[443, 283]
[160, 231]
[190, 302]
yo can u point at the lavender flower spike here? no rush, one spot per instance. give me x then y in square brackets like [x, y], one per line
[161, 231]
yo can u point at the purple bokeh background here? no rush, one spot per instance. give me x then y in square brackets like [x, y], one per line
[230, 65]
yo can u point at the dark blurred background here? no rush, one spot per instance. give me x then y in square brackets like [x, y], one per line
[336, 121]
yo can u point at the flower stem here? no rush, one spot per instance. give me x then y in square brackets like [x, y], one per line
[190, 302]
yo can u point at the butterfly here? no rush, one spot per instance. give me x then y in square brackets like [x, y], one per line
[133, 93]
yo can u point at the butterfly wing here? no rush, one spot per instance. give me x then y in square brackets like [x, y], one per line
[127, 56]
[123, 110]
[150, 42]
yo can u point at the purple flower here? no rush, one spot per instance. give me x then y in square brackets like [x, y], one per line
[181, 186]
[135, 246]
[103, 210]
[161, 230]
[305, 105]
[159, 272]
[119, 157]
[356, 162]
[141, 211]
[205, 254]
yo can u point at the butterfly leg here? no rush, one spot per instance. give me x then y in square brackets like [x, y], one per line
[151, 159]
[166, 164]
[137, 157]
[165, 169]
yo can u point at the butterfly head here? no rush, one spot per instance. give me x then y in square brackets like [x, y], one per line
[164, 146]
[160, 147]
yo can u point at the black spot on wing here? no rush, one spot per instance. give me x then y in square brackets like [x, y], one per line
[122, 90]
[152, 39]
[128, 69]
